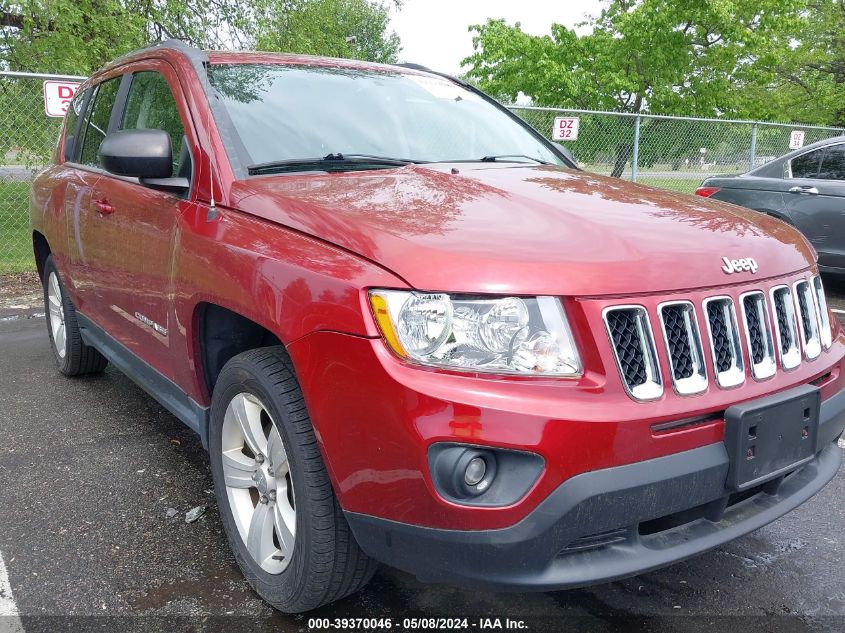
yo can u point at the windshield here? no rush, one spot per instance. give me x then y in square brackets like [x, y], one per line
[284, 113]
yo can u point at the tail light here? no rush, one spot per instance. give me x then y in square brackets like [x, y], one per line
[706, 192]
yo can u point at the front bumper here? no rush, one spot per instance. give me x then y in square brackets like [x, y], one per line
[608, 524]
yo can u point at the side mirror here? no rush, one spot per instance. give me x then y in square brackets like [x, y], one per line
[137, 153]
[145, 155]
[567, 154]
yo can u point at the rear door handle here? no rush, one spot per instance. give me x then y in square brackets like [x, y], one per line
[810, 190]
[103, 207]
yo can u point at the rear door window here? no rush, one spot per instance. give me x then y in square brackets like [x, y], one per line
[833, 163]
[806, 165]
[96, 122]
[151, 106]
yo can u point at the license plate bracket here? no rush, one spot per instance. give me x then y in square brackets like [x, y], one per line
[771, 436]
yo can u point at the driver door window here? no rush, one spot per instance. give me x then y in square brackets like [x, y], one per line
[151, 105]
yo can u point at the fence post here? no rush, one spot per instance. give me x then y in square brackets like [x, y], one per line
[753, 146]
[635, 163]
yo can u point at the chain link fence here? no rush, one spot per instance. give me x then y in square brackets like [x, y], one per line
[27, 139]
[669, 152]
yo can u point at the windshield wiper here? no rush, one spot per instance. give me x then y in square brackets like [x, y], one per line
[493, 159]
[328, 162]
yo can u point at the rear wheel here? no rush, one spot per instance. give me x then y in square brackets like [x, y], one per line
[284, 524]
[73, 356]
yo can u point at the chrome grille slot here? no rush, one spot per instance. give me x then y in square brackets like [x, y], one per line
[724, 341]
[786, 331]
[633, 347]
[808, 320]
[683, 342]
[758, 335]
[824, 316]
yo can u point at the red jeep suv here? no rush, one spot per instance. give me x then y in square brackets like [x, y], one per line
[408, 329]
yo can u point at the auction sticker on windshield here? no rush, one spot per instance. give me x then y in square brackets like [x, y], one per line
[566, 128]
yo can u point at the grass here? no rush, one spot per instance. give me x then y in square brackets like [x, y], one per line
[681, 186]
[15, 238]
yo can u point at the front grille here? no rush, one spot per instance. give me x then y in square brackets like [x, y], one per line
[787, 327]
[803, 305]
[719, 338]
[758, 335]
[778, 325]
[824, 316]
[755, 330]
[724, 341]
[626, 337]
[633, 346]
[683, 342]
[808, 320]
[678, 341]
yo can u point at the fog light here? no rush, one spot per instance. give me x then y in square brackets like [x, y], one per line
[476, 469]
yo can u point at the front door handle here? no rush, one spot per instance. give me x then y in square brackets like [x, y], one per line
[103, 207]
[810, 190]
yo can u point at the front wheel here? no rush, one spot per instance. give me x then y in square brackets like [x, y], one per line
[73, 356]
[284, 524]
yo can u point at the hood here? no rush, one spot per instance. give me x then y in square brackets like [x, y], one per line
[492, 228]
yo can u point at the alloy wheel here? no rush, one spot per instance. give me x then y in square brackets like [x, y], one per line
[57, 314]
[258, 483]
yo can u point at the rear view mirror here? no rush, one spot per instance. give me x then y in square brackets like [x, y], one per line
[137, 153]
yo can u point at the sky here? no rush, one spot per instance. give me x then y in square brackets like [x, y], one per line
[434, 32]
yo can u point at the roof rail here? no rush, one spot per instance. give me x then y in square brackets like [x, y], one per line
[415, 67]
[196, 55]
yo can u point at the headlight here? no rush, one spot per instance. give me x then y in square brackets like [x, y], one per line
[508, 335]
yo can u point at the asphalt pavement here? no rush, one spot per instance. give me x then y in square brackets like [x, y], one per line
[96, 479]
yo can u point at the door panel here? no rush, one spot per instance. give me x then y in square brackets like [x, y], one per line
[143, 224]
[141, 230]
[88, 246]
[817, 205]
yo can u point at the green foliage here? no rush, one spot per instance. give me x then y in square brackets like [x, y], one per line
[711, 58]
[337, 28]
[79, 36]
[15, 235]
[660, 56]
[810, 75]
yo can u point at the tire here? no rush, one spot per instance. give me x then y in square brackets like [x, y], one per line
[73, 356]
[258, 392]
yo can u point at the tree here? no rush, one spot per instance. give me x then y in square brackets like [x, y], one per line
[338, 28]
[810, 81]
[659, 56]
[79, 36]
